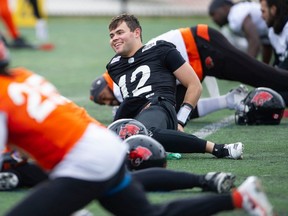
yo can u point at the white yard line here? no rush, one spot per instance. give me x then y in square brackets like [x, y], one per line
[212, 128]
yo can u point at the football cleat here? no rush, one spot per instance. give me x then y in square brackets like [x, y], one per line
[255, 201]
[21, 43]
[235, 96]
[235, 150]
[8, 181]
[219, 182]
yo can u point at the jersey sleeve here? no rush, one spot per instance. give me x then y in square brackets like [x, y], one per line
[170, 56]
[236, 17]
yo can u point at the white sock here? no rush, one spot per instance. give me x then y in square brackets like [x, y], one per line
[209, 105]
[212, 86]
[41, 30]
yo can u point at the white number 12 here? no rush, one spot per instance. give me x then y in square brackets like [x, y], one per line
[140, 88]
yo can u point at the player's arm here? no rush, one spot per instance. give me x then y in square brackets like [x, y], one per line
[3, 135]
[252, 36]
[187, 76]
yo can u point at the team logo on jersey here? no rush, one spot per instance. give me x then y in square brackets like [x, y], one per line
[262, 97]
[138, 155]
[116, 59]
[128, 130]
[209, 62]
[148, 46]
[131, 60]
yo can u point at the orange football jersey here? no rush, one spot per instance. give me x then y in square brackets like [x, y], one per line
[40, 120]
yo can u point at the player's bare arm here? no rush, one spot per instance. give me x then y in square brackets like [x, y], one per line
[250, 31]
[187, 76]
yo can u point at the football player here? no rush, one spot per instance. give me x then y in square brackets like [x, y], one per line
[275, 14]
[243, 19]
[210, 54]
[147, 77]
[17, 40]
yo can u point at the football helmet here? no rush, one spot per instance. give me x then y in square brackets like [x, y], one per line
[97, 87]
[261, 106]
[145, 152]
[127, 127]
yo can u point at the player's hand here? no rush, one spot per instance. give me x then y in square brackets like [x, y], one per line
[180, 128]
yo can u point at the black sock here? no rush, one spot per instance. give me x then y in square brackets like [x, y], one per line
[219, 151]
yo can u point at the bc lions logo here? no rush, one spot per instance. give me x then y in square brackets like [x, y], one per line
[138, 155]
[260, 98]
[128, 130]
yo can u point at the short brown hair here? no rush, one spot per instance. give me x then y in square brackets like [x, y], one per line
[131, 21]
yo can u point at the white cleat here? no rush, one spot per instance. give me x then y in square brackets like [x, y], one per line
[219, 182]
[235, 96]
[235, 150]
[255, 201]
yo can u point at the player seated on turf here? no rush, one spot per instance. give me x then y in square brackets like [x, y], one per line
[78, 156]
[211, 54]
[104, 92]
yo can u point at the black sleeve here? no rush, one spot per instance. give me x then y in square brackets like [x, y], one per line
[171, 56]
[174, 60]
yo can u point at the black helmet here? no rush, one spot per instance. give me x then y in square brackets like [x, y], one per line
[4, 55]
[261, 106]
[145, 152]
[96, 88]
[127, 127]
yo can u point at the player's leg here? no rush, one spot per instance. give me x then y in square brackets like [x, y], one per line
[61, 196]
[64, 195]
[133, 201]
[41, 29]
[232, 64]
[219, 182]
[6, 16]
[249, 196]
[164, 131]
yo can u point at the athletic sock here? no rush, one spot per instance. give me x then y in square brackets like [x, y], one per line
[209, 105]
[219, 151]
[237, 199]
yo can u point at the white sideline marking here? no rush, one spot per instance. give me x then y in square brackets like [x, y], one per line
[212, 128]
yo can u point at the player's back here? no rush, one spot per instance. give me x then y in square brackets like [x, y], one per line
[240, 11]
[39, 119]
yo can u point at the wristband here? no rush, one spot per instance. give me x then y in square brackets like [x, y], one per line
[184, 113]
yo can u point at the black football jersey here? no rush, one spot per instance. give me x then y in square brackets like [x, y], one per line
[149, 73]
